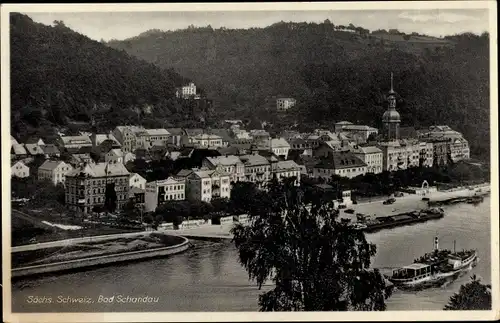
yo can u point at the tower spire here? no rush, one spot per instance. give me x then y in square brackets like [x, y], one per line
[392, 87]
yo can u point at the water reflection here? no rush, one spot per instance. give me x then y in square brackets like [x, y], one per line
[210, 278]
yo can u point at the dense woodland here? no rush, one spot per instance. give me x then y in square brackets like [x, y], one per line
[334, 75]
[61, 79]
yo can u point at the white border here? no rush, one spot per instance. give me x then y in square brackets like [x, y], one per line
[244, 316]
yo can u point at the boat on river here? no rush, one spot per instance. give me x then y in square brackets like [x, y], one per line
[433, 269]
[392, 221]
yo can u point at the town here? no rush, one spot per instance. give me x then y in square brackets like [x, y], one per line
[227, 156]
[236, 161]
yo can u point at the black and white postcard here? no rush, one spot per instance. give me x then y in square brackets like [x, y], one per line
[243, 161]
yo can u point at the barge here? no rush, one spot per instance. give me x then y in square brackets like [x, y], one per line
[387, 222]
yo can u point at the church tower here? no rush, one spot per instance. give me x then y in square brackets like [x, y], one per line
[391, 118]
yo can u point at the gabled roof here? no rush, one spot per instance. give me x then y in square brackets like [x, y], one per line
[19, 149]
[13, 141]
[50, 149]
[34, 149]
[100, 138]
[136, 175]
[73, 140]
[184, 172]
[169, 180]
[157, 132]
[279, 143]
[14, 163]
[100, 170]
[340, 160]
[224, 160]
[287, 165]
[50, 165]
[254, 160]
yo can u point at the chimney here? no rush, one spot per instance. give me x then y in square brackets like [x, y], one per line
[436, 244]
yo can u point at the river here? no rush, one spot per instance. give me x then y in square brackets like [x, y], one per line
[209, 277]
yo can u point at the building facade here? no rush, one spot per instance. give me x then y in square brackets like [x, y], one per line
[159, 192]
[286, 169]
[86, 186]
[206, 141]
[19, 169]
[257, 169]
[204, 185]
[283, 104]
[137, 180]
[343, 163]
[54, 170]
[227, 164]
[372, 157]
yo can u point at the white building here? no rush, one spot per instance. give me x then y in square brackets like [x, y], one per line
[186, 91]
[118, 156]
[203, 185]
[400, 154]
[54, 170]
[74, 142]
[426, 150]
[228, 164]
[257, 169]
[372, 157]
[158, 192]
[127, 137]
[358, 131]
[343, 163]
[287, 169]
[279, 146]
[137, 180]
[206, 141]
[283, 104]
[19, 169]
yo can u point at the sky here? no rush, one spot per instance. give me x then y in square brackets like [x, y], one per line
[122, 25]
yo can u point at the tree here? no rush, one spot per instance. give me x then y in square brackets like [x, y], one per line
[242, 196]
[110, 197]
[471, 296]
[317, 262]
[220, 205]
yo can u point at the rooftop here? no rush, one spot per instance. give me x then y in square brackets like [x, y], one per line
[50, 165]
[416, 266]
[287, 165]
[157, 132]
[254, 160]
[67, 140]
[100, 170]
[224, 160]
[340, 160]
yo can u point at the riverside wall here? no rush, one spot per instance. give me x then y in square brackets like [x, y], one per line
[101, 260]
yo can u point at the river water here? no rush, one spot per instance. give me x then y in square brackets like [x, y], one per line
[209, 277]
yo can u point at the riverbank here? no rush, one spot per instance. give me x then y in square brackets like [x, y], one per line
[78, 255]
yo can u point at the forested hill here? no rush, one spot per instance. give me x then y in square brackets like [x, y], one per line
[62, 78]
[335, 75]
